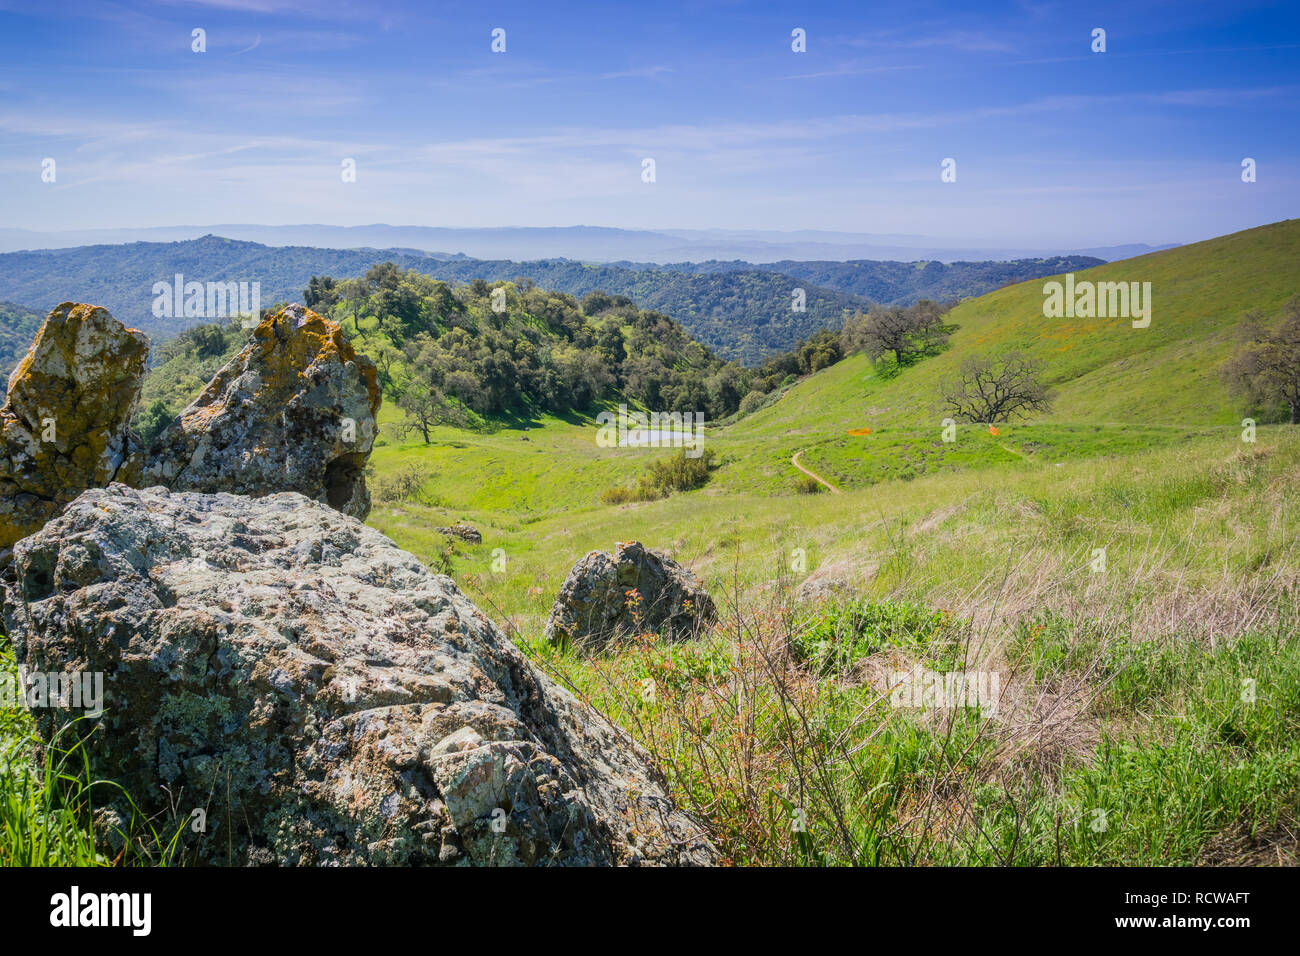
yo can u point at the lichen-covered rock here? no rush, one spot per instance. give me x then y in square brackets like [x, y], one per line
[293, 411]
[465, 532]
[65, 422]
[633, 591]
[319, 695]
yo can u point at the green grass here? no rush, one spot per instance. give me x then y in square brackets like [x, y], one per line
[1107, 371]
[1193, 507]
[975, 554]
[833, 640]
[905, 453]
[49, 793]
[1104, 370]
[1198, 531]
[44, 818]
[1183, 767]
[1191, 765]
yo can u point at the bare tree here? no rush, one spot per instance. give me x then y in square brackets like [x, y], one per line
[425, 407]
[993, 388]
[1266, 369]
[384, 356]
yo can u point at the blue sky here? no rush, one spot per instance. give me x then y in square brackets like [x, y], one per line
[1054, 144]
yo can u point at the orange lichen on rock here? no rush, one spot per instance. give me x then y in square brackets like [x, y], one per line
[293, 411]
[64, 426]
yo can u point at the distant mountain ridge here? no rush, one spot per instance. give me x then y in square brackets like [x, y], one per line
[899, 283]
[742, 310]
[587, 243]
[744, 315]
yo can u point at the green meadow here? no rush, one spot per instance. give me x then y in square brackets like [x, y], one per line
[1126, 563]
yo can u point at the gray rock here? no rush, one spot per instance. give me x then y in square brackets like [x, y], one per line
[815, 589]
[64, 426]
[467, 533]
[320, 694]
[633, 591]
[293, 411]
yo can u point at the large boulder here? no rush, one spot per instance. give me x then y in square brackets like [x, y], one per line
[319, 695]
[633, 591]
[65, 422]
[293, 411]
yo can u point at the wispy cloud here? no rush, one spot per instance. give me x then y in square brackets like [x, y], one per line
[855, 68]
[252, 46]
[638, 73]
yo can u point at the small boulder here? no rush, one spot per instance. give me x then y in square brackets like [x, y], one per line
[320, 695]
[633, 591]
[65, 423]
[293, 411]
[817, 589]
[464, 532]
[836, 580]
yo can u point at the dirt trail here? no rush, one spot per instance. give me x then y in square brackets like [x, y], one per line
[794, 460]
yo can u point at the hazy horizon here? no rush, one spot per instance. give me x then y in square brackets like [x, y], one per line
[835, 243]
[579, 241]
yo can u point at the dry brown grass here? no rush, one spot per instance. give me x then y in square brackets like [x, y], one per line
[1243, 845]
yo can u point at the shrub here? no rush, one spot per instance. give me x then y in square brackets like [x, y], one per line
[403, 484]
[681, 472]
[663, 477]
[808, 485]
[752, 402]
[623, 494]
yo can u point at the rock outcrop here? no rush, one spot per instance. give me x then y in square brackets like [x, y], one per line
[320, 695]
[466, 533]
[65, 423]
[633, 591]
[293, 411]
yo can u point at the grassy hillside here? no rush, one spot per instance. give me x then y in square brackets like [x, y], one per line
[1121, 391]
[1103, 369]
[1122, 687]
[540, 488]
[538, 502]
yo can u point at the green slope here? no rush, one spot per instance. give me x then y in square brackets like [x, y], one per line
[1105, 371]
